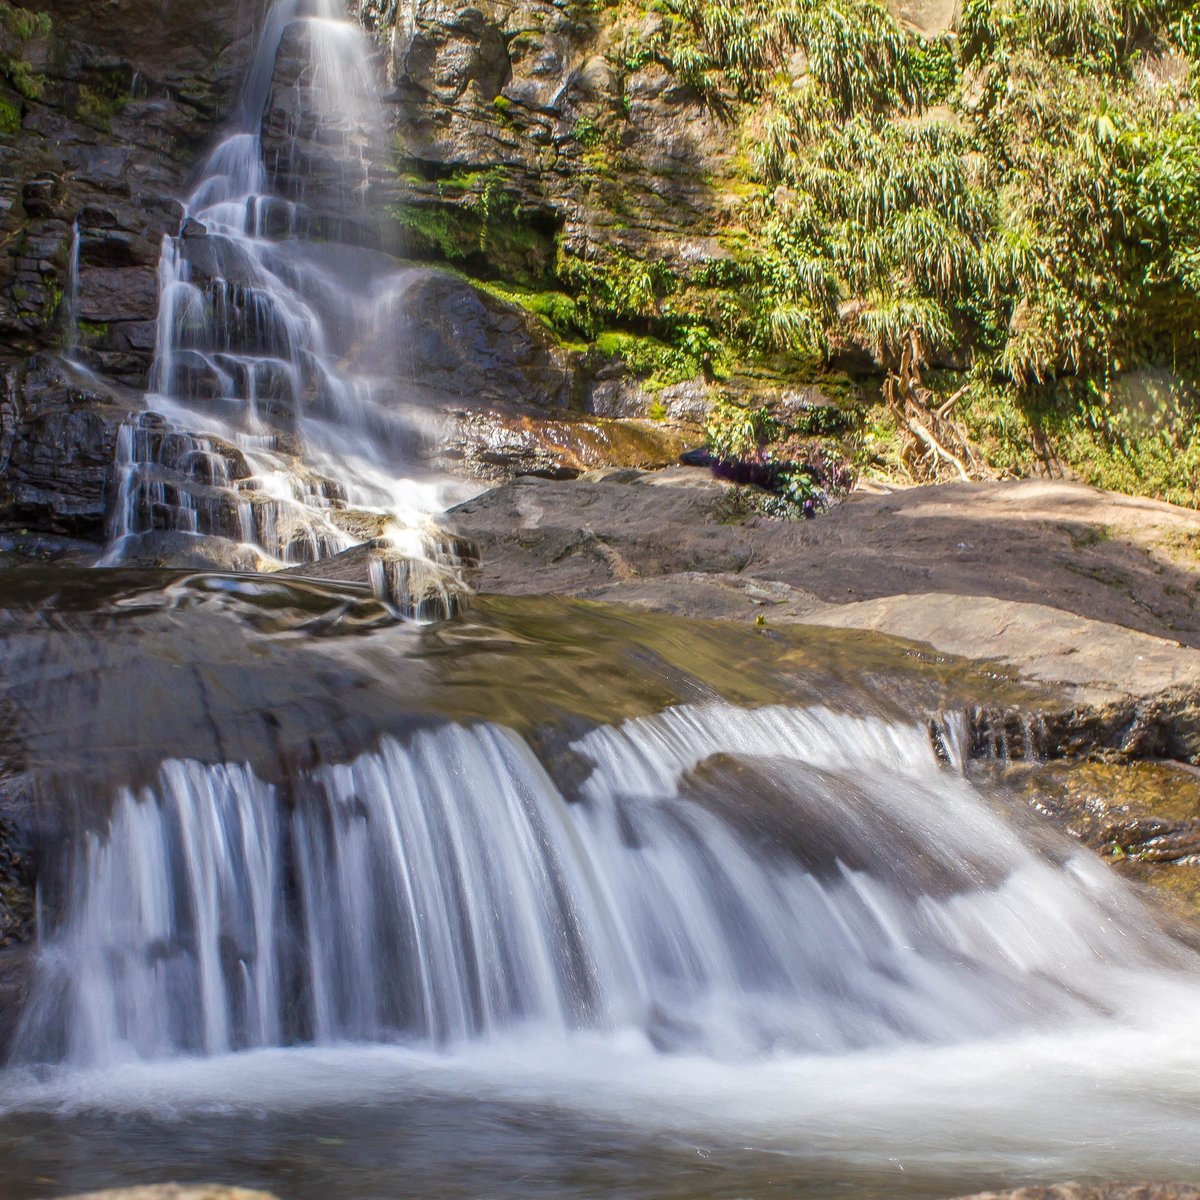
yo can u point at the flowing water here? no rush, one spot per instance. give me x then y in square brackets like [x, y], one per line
[496, 938]
[274, 432]
[546, 900]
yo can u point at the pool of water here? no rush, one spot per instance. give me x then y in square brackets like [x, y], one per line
[592, 1117]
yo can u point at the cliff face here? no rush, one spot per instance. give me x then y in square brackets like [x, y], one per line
[104, 108]
[108, 106]
[628, 216]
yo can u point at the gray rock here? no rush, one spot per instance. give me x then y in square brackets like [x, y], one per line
[58, 435]
[1017, 572]
[464, 343]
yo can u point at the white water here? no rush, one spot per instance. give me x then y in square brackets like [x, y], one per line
[273, 423]
[445, 891]
[905, 983]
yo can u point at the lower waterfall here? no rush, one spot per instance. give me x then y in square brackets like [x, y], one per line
[728, 882]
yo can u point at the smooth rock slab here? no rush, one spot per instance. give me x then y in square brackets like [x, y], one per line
[175, 1191]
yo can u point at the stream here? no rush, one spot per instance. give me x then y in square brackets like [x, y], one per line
[524, 897]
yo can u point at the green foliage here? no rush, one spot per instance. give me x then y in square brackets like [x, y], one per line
[736, 431]
[557, 311]
[588, 132]
[93, 331]
[1022, 194]
[934, 62]
[659, 363]
[436, 228]
[479, 224]
[10, 118]
[617, 288]
[17, 27]
[856, 52]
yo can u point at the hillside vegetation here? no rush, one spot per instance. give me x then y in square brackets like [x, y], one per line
[984, 243]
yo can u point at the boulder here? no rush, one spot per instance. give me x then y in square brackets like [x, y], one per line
[467, 344]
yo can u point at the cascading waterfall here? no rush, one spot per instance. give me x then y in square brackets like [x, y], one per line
[726, 881]
[273, 424]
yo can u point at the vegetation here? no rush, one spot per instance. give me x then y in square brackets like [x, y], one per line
[1020, 199]
[1004, 219]
[18, 27]
[752, 446]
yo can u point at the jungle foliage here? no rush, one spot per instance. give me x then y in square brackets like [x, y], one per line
[998, 227]
[1018, 199]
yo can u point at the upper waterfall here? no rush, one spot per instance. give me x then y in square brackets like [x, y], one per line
[274, 424]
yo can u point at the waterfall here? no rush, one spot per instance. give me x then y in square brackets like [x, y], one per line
[274, 432]
[729, 882]
[70, 301]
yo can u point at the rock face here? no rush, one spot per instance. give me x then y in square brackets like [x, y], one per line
[1096, 555]
[58, 437]
[122, 98]
[502, 85]
[112, 104]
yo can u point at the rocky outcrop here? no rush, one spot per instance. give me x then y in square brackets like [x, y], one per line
[117, 101]
[465, 343]
[58, 438]
[511, 87]
[1094, 555]
[110, 104]
[1086, 594]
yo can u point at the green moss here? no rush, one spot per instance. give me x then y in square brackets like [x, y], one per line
[658, 363]
[51, 304]
[10, 118]
[556, 310]
[93, 331]
[99, 104]
[588, 132]
[480, 228]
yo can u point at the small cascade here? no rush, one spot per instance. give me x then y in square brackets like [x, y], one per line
[275, 433]
[726, 881]
[70, 300]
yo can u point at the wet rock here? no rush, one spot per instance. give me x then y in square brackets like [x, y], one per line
[128, 95]
[1097, 1191]
[174, 1191]
[58, 434]
[497, 444]
[1002, 573]
[190, 551]
[830, 823]
[15, 973]
[1143, 816]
